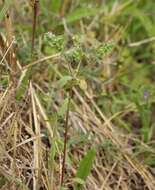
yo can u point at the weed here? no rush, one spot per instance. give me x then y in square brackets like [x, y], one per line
[77, 94]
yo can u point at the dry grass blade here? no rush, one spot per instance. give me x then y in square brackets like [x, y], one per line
[36, 144]
[111, 134]
[43, 114]
[41, 60]
[10, 40]
[149, 40]
[7, 51]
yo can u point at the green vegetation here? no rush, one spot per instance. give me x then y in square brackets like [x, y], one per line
[77, 94]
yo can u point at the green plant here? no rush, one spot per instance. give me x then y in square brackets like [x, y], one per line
[84, 169]
[80, 75]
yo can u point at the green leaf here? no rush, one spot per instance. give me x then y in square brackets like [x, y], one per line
[81, 13]
[146, 22]
[62, 110]
[63, 188]
[23, 84]
[56, 4]
[79, 181]
[64, 80]
[85, 167]
[3, 181]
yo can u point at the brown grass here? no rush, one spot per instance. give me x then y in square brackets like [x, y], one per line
[25, 147]
[23, 152]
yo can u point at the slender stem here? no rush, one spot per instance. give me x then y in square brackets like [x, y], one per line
[64, 6]
[35, 14]
[66, 137]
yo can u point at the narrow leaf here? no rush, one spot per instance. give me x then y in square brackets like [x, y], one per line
[85, 167]
[81, 13]
[23, 84]
[56, 4]
[64, 80]
[62, 110]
